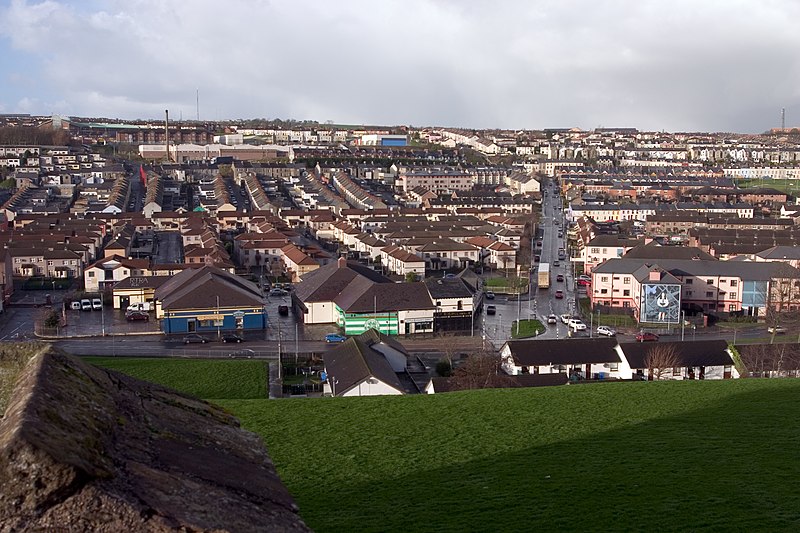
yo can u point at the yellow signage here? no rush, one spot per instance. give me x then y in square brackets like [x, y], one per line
[210, 317]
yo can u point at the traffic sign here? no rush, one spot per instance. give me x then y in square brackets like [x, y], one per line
[323, 375]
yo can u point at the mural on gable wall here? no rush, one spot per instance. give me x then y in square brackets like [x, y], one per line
[660, 303]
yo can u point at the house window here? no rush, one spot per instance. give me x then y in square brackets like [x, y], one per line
[689, 281]
[626, 304]
[709, 294]
[676, 371]
[91, 274]
[603, 279]
[626, 281]
[613, 367]
[732, 295]
[734, 283]
[626, 292]
[603, 291]
[709, 282]
[732, 307]
[688, 293]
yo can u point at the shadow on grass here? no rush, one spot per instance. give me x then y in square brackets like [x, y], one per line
[732, 465]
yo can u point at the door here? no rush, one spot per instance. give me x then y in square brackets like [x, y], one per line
[192, 325]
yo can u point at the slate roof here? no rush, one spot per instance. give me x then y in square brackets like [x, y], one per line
[748, 271]
[691, 353]
[327, 282]
[200, 288]
[563, 351]
[441, 288]
[354, 360]
[385, 297]
[653, 250]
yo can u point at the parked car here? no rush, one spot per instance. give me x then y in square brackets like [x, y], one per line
[491, 310]
[335, 338]
[137, 315]
[552, 319]
[646, 336]
[193, 338]
[97, 304]
[560, 277]
[776, 330]
[246, 352]
[489, 295]
[607, 331]
[585, 277]
[559, 295]
[277, 292]
[283, 310]
[232, 337]
[584, 283]
[576, 324]
[86, 304]
[141, 306]
[75, 305]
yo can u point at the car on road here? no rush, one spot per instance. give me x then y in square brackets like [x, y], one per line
[283, 310]
[247, 352]
[560, 277]
[776, 330]
[576, 324]
[552, 319]
[556, 263]
[559, 295]
[194, 338]
[560, 235]
[646, 336]
[277, 292]
[232, 337]
[607, 331]
[565, 319]
[136, 316]
[489, 295]
[491, 310]
[334, 338]
[584, 283]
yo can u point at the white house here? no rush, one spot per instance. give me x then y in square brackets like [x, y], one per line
[584, 358]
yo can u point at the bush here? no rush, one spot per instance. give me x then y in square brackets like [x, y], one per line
[443, 368]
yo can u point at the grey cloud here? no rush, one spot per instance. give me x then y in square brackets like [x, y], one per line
[676, 65]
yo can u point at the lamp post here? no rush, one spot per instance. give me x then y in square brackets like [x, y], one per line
[216, 319]
[102, 315]
[683, 325]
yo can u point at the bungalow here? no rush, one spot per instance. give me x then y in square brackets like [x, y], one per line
[582, 357]
[706, 359]
[370, 364]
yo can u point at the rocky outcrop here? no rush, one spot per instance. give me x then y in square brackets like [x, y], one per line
[86, 449]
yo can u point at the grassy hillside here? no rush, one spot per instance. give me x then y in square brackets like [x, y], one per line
[207, 379]
[641, 456]
[665, 456]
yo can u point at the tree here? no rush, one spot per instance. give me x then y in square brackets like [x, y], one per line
[480, 371]
[661, 359]
[411, 277]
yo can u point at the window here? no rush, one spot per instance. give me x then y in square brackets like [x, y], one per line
[732, 307]
[604, 279]
[626, 292]
[732, 295]
[626, 281]
[91, 274]
[709, 282]
[688, 293]
[689, 281]
[595, 250]
[709, 294]
[626, 304]
[721, 281]
[734, 283]
[603, 291]
[676, 371]
[613, 367]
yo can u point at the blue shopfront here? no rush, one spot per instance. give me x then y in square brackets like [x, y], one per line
[213, 320]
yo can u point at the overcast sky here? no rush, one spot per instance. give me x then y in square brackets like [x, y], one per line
[672, 65]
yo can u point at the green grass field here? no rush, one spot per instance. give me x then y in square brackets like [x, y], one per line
[787, 186]
[663, 456]
[208, 379]
[679, 456]
[527, 328]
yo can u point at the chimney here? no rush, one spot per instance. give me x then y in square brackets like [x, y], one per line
[341, 263]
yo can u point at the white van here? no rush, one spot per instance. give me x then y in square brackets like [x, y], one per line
[75, 305]
[142, 306]
[97, 304]
[86, 304]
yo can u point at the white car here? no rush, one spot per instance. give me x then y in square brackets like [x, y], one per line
[607, 331]
[552, 319]
[565, 318]
[776, 330]
[576, 324]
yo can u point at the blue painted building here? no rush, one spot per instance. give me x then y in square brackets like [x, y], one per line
[208, 300]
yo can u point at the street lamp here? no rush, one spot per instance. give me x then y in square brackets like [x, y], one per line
[683, 324]
[216, 319]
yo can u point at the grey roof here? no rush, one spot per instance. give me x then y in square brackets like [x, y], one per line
[563, 351]
[355, 360]
[448, 288]
[208, 288]
[690, 353]
[780, 252]
[746, 270]
[653, 250]
[326, 283]
[385, 297]
[614, 240]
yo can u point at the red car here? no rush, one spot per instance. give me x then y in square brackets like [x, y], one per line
[559, 295]
[560, 277]
[584, 282]
[646, 336]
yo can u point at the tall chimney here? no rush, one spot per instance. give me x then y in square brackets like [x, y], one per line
[166, 132]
